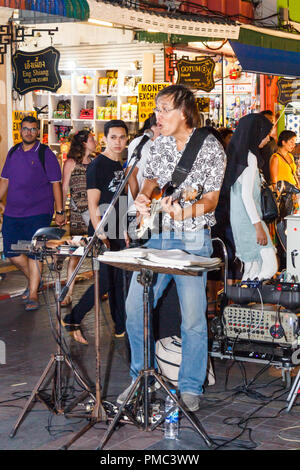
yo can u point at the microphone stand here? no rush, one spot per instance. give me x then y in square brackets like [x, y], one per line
[98, 413]
[102, 223]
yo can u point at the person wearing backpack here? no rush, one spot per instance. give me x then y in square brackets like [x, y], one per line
[31, 177]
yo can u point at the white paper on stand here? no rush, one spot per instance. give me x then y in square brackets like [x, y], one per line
[165, 258]
[181, 258]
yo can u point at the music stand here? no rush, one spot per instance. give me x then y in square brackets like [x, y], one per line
[145, 278]
[38, 247]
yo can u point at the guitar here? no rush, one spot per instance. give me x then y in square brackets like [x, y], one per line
[139, 227]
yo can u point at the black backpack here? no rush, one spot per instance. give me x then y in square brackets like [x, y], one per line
[42, 150]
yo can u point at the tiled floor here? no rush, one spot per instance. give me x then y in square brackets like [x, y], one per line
[252, 415]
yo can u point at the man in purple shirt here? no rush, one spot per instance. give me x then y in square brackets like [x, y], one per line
[32, 190]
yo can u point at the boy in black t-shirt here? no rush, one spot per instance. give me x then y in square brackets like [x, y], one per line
[104, 175]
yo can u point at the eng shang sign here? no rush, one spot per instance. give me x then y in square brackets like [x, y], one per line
[36, 70]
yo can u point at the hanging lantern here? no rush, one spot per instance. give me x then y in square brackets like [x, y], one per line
[234, 73]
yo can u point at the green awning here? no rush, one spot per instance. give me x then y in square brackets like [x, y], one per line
[275, 40]
[73, 9]
[252, 37]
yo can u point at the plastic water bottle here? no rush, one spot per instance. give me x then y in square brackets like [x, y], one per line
[171, 419]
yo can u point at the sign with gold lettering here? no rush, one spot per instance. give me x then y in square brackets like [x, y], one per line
[196, 74]
[146, 95]
[203, 104]
[36, 70]
[17, 117]
[288, 90]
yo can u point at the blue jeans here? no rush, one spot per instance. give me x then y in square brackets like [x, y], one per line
[192, 297]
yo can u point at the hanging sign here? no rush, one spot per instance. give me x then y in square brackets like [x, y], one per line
[146, 95]
[36, 70]
[203, 104]
[17, 117]
[288, 90]
[196, 74]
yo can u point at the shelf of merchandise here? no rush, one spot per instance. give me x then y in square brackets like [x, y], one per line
[83, 93]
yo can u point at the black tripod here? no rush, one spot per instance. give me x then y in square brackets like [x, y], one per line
[145, 278]
[56, 362]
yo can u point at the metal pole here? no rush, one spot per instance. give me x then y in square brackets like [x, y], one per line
[223, 93]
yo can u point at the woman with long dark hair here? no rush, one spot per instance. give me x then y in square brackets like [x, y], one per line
[282, 163]
[251, 236]
[83, 145]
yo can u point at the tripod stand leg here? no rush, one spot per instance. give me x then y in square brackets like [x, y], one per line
[79, 434]
[32, 396]
[293, 392]
[84, 394]
[119, 414]
[197, 426]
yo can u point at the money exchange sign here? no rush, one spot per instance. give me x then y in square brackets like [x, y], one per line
[146, 96]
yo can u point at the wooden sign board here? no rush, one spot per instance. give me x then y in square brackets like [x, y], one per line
[36, 70]
[288, 90]
[196, 74]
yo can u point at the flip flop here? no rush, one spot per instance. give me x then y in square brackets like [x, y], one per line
[25, 294]
[32, 305]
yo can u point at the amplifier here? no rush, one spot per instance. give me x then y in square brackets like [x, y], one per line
[265, 353]
[268, 324]
[285, 294]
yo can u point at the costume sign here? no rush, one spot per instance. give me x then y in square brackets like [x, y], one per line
[196, 74]
[36, 70]
[146, 95]
[17, 117]
[288, 90]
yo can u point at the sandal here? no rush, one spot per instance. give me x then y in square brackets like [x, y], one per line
[67, 301]
[75, 332]
[120, 335]
[25, 295]
[31, 305]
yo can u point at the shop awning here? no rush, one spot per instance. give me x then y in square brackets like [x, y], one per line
[271, 53]
[73, 9]
[164, 25]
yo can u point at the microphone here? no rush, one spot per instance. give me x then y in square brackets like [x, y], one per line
[148, 134]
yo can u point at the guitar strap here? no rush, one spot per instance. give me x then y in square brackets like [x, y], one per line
[188, 157]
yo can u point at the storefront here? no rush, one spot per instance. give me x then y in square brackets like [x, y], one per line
[233, 93]
[101, 67]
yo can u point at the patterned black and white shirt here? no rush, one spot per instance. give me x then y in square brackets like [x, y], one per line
[205, 176]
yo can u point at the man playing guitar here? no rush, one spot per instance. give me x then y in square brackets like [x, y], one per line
[186, 226]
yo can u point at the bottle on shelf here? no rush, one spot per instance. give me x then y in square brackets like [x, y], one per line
[172, 418]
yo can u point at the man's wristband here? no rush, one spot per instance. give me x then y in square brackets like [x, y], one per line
[60, 212]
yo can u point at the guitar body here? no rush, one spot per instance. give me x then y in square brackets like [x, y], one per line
[140, 228]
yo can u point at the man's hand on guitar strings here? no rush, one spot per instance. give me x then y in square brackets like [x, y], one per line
[172, 208]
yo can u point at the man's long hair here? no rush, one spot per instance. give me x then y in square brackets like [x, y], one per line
[183, 98]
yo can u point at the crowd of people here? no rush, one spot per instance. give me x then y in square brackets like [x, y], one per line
[225, 175]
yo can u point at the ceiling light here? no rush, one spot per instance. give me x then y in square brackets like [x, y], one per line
[99, 22]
